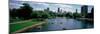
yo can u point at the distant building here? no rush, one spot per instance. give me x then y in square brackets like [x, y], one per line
[92, 10]
[76, 11]
[84, 10]
[91, 15]
[48, 9]
[58, 10]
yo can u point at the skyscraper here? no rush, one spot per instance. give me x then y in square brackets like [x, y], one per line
[92, 13]
[76, 10]
[58, 10]
[84, 10]
[48, 9]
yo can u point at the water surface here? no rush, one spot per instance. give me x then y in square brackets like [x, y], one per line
[64, 24]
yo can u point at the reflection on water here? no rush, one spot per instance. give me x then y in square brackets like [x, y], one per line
[64, 24]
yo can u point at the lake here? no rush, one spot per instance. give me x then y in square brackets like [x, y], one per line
[61, 23]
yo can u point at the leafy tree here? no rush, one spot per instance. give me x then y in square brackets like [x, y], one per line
[13, 12]
[69, 14]
[76, 15]
[25, 11]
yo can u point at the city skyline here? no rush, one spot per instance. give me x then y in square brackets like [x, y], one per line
[52, 6]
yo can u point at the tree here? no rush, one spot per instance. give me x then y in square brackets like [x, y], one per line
[69, 14]
[13, 12]
[25, 11]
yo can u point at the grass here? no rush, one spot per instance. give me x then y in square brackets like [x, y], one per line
[18, 26]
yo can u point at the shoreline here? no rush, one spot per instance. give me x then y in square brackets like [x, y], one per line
[88, 19]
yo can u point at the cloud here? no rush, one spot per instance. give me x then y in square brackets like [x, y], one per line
[14, 5]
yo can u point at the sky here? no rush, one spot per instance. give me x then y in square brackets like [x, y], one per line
[53, 6]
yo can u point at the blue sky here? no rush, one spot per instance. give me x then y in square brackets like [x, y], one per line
[53, 6]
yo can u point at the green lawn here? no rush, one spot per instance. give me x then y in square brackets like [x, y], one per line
[18, 26]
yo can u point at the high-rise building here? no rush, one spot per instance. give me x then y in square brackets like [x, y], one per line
[58, 9]
[92, 10]
[92, 13]
[48, 9]
[76, 10]
[84, 10]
